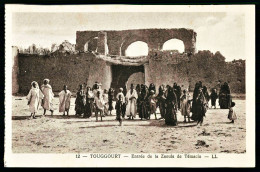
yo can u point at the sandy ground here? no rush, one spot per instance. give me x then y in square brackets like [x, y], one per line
[72, 134]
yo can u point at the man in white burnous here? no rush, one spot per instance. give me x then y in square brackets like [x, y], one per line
[131, 97]
[48, 96]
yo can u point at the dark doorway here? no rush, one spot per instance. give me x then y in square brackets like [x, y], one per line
[121, 73]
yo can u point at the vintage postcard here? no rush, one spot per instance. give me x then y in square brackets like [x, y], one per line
[130, 86]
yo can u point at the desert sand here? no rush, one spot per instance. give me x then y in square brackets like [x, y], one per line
[59, 134]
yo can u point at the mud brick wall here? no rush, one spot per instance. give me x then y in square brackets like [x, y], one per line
[60, 68]
[75, 69]
[159, 72]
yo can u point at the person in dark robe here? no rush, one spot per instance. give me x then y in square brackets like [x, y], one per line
[171, 101]
[95, 86]
[80, 101]
[152, 87]
[138, 90]
[143, 112]
[213, 97]
[152, 102]
[89, 103]
[200, 84]
[161, 97]
[200, 107]
[225, 96]
[206, 94]
[179, 96]
[147, 102]
[124, 90]
[111, 93]
[194, 103]
[177, 91]
[119, 109]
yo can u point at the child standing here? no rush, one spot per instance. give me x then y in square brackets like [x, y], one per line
[213, 97]
[119, 109]
[232, 114]
[152, 103]
[185, 105]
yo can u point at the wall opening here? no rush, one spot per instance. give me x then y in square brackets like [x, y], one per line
[123, 76]
[91, 45]
[135, 78]
[138, 48]
[174, 44]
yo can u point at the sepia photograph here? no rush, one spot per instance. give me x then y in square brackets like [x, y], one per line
[107, 82]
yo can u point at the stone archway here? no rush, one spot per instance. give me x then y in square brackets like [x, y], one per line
[121, 75]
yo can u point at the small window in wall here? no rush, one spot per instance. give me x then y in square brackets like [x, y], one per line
[138, 48]
[174, 44]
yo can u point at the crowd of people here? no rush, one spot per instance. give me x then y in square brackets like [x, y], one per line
[140, 100]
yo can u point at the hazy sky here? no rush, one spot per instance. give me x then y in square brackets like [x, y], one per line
[224, 32]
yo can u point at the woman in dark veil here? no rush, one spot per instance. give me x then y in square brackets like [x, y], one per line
[171, 101]
[138, 90]
[161, 101]
[111, 93]
[194, 103]
[80, 101]
[143, 113]
[89, 103]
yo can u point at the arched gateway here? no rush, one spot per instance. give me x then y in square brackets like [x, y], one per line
[116, 68]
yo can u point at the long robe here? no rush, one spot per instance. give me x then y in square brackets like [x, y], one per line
[162, 101]
[232, 114]
[131, 103]
[185, 105]
[105, 98]
[143, 111]
[171, 101]
[48, 97]
[110, 100]
[64, 98]
[152, 102]
[213, 97]
[200, 108]
[34, 98]
[89, 104]
[80, 102]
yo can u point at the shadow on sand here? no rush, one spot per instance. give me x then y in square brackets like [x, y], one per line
[48, 116]
[126, 122]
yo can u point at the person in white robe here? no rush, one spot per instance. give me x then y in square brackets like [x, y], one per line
[64, 98]
[185, 105]
[98, 88]
[48, 96]
[34, 98]
[99, 104]
[131, 97]
[123, 100]
[105, 98]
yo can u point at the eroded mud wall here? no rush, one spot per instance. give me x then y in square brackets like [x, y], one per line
[60, 68]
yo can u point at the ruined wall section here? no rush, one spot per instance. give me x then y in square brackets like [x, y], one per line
[60, 68]
[15, 70]
[118, 41]
[82, 37]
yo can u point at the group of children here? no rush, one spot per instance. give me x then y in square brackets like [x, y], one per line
[100, 102]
